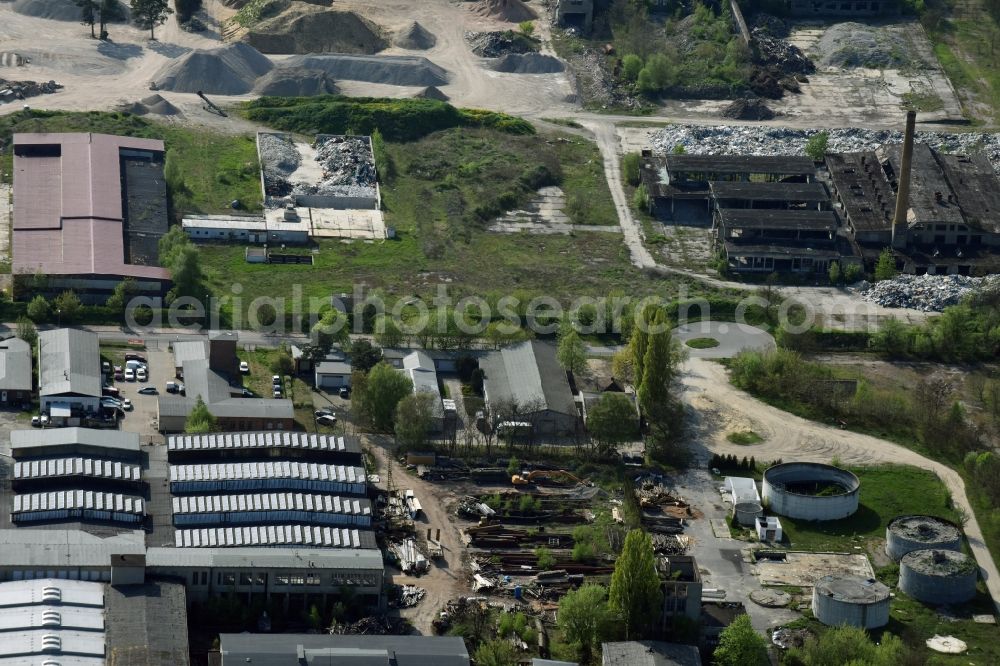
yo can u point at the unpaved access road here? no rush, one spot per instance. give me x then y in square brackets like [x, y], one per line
[721, 408]
[445, 580]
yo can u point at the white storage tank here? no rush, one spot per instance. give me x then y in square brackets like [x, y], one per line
[938, 577]
[811, 491]
[908, 533]
[854, 600]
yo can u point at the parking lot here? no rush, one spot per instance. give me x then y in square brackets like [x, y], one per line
[142, 419]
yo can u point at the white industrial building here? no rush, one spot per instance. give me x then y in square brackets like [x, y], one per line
[69, 374]
[278, 475]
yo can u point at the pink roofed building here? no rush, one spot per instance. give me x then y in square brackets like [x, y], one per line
[89, 210]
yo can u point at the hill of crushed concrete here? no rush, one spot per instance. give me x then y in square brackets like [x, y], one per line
[303, 28]
[227, 70]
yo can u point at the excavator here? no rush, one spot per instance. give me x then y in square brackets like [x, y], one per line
[525, 479]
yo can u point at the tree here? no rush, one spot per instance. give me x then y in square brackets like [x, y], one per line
[67, 306]
[740, 645]
[834, 272]
[571, 353]
[171, 242]
[148, 14]
[110, 10]
[546, 560]
[186, 273]
[816, 146]
[631, 66]
[885, 267]
[364, 355]
[622, 366]
[282, 363]
[123, 293]
[38, 309]
[331, 329]
[200, 420]
[88, 13]
[387, 331]
[26, 331]
[635, 593]
[584, 618]
[630, 168]
[315, 619]
[612, 420]
[852, 273]
[847, 645]
[495, 653]
[414, 419]
[527, 28]
[385, 387]
[659, 366]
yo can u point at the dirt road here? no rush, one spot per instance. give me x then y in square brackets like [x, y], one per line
[720, 408]
[444, 581]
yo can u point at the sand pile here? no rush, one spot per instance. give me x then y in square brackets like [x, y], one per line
[304, 28]
[528, 63]
[57, 10]
[415, 37]
[390, 70]
[432, 92]
[295, 82]
[512, 11]
[228, 70]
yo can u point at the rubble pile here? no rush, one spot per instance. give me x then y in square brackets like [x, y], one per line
[14, 90]
[406, 596]
[769, 25]
[751, 140]
[348, 167]
[776, 52]
[497, 43]
[748, 108]
[279, 159]
[373, 626]
[928, 293]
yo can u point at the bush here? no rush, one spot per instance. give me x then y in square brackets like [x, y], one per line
[641, 198]
[527, 28]
[631, 66]
[816, 146]
[630, 168]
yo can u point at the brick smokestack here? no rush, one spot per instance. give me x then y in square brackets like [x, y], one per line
[903, 189]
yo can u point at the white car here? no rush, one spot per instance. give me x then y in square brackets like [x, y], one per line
[36, 421]
[244, 367]
[141, 375]
[45, 420]
[129, 375]
[127, 405]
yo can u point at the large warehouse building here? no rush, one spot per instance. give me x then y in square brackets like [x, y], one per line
[89, 210]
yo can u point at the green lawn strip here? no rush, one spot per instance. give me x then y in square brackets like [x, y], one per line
[702, 343]
[887, 491]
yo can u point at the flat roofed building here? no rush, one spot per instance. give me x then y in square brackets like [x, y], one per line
[78, 505]
[69, 371]
[55, 442]
[319, 649]
[89, 210]
[649, 653]
[16, 381]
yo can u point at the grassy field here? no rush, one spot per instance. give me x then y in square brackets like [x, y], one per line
[967, 44]
[886, 492]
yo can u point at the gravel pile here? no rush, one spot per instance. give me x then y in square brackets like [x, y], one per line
[748, 108]
[303, 28]
[415, 37]
[928, 293]
[389, 70]
[497, 43]
[295, 82]
[528, 63]
[750, 140]
[228, 70]
[154, 104]
[848, 45]
[431, 92]
[14, 90]
[513, 11]
[348, 167]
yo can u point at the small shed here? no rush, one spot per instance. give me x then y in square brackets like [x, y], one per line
[255, 255]
[769, 528]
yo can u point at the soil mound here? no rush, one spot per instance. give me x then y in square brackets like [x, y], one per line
[304, 28]
[415, 37]
[157, 105]
[228, 70]
[850, 45]
[432, 92]
[390, 70]
[499, 43]
[528, 63]
[58, 10]
[512, 11]
[295, 82]
[748, 109]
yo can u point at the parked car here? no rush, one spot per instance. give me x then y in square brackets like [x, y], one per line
[141, 375]
[132, 356]
[173, 387]
[129, 375]
[276, 379]
[127, 405]
[327, 420]
[111, 391]
[247, 393]
[134, 364]
[105, 367]
[148, 390]
[36, 421]
[277, 391]
[345, 393]
[111, 402]
[244, 367]
[324, 411]
[45, 420]
[119, 373]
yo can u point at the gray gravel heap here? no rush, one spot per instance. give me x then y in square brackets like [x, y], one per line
[757, 140]
[928, 293]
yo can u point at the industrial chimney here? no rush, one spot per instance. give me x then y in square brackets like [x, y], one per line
[903, 189]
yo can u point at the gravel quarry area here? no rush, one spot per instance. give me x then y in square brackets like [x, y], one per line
[757, 140]
[307, 28]
[228, 70]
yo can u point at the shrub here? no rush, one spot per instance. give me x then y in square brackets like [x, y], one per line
[630, 168]
[631, 66]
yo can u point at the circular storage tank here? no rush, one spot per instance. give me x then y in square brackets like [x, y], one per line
[854, 600]
[747, 513]
[908, 533]
[937, 577]
[811, 491]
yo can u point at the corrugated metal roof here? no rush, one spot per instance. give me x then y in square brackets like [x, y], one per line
[284, 558]
[69, 362]
[272, 502]
[78, 499]
[54, 548]
[44, 619]
[15, 365]
[263, 440]
[267, 470]
[282, 649]
[113, 440]
[80, 466]
[529, 376]
[274, 535]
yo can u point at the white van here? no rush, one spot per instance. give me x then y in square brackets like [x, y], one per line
[129, 375]
[140, 373]
[134, 365]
